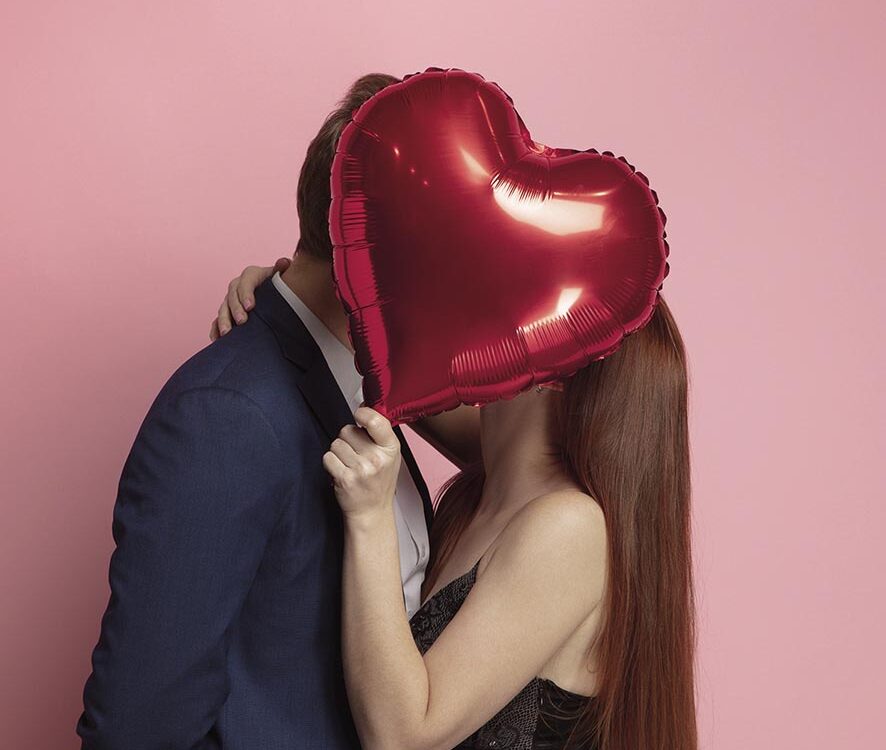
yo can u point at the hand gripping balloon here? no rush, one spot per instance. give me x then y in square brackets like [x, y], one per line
[474, 262]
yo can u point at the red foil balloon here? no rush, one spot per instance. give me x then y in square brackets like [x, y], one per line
[474, 262]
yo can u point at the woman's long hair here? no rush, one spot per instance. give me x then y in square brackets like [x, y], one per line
[624, 437]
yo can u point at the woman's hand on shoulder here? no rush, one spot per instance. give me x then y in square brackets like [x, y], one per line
[240, 297]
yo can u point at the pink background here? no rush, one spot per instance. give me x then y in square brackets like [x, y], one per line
[149, 150]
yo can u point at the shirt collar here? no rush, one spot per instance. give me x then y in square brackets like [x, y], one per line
[337, 355]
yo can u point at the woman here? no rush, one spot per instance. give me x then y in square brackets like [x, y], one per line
[558, 602]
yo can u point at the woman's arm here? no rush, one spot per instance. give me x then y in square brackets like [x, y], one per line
[543, 580]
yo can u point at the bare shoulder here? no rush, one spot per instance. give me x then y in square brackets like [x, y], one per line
[562, 528]
[561, 517]
[562, 509]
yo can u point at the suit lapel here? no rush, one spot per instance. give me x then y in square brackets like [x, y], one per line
[315, 380]
[420, 484]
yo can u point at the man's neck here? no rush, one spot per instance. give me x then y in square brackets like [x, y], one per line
[311, 280]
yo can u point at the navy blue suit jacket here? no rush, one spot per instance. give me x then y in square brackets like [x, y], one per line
[222, 629]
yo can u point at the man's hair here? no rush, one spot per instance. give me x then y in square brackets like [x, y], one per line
[313, 183]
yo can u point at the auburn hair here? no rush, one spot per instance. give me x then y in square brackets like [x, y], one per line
[623, 435]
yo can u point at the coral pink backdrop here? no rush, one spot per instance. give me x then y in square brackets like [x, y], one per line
[151, 149]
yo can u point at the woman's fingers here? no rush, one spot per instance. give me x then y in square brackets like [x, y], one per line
[378, 427]
[240, 296]
[247, 282]
[254, 276]
[358, 451]
[346, 453]
[357, 438]
[333, 465]
[233, 300]
[282, 264]
[224, 319]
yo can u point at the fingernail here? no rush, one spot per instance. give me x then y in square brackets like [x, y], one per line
[248, 304]
[240, 318]
[223, 330]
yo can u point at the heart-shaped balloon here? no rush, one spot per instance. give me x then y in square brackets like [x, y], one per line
[474, 262]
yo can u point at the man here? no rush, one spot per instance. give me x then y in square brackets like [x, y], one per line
[223, 628]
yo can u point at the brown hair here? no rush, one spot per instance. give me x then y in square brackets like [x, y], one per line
[624, 437]
[313, 196]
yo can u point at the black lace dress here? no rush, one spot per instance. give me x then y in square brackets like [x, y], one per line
[540, 717]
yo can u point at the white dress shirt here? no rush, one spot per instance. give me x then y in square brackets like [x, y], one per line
[412, 530]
